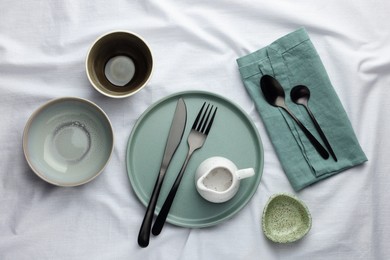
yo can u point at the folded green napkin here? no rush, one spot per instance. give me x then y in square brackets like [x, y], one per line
[293, 60]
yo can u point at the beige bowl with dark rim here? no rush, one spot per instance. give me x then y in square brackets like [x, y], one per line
[119, 64]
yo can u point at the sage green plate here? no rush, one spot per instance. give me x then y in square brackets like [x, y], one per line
[233, 135]
[285, 218]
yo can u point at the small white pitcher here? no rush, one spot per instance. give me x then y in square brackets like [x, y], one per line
[217, 179]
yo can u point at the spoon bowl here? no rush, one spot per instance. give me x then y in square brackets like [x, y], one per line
[273, 91]
[300, 95]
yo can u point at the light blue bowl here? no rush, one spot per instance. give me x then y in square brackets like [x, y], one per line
[68, 141]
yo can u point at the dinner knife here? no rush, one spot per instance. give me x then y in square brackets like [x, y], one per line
[174, 137]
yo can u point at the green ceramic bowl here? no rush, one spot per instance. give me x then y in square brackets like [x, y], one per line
[285, 218]
[68, 141]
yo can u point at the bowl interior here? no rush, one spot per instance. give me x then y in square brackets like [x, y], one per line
[285, 219]
[114, 45]
[68, 141]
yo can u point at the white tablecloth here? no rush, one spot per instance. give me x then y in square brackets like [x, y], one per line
[43, 45]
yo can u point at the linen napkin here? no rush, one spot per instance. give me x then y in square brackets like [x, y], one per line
[293, 60]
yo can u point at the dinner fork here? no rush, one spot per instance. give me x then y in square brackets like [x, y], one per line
[198, 134]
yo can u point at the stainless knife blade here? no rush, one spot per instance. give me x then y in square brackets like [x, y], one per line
[174, 138]
[175, 134]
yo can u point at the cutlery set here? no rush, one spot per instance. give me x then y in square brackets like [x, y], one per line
[274, 94]
[196, 138]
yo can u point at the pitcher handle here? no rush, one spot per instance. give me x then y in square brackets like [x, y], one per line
[245, 173]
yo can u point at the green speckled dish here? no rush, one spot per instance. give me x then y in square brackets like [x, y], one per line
[285, 218]
[233, 136]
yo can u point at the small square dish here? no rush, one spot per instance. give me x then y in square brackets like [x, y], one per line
[285, 218]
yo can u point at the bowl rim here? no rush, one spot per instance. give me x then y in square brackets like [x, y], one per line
[300, 202]
[98, 39]
[42, 108]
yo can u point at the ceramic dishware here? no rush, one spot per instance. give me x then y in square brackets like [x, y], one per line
[119, 64]
[233, 135]
[68, 141]
[285, 218]
[217, 179]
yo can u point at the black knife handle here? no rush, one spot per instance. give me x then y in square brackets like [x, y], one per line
[144, 232]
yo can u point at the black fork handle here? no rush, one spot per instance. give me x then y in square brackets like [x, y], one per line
[163, 214]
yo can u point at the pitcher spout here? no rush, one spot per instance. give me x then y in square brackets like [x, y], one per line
[200, 185]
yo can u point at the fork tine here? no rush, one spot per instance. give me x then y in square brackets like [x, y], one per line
[202, 123]
[202, 120]
[198, 116]
[211, 122]
[207, 119]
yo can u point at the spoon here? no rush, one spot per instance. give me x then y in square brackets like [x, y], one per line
[300, 95]
[274, 94]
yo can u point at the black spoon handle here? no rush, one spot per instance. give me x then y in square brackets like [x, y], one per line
[320, 149]
[323, 137]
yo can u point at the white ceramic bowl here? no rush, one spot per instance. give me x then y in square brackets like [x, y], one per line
[68, 141]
